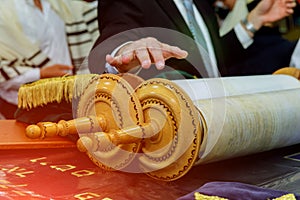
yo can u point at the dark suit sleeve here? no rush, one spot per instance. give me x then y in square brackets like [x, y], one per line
[121, 21]
[114, 17]
[118, 16]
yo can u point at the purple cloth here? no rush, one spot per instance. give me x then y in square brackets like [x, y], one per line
[236, 191]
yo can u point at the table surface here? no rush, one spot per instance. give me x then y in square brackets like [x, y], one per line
[13, 137]
[55, 169]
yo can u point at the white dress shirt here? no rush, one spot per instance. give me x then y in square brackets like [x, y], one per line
[212, 69]
[295, 60]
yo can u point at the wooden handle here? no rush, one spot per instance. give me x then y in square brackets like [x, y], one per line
[64, 128]
[102, 140]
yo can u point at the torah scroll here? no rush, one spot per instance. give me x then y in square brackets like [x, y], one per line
[252, 114]
[164, 127]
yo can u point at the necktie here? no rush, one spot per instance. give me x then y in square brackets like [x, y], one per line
[211, 68]
[193, 25]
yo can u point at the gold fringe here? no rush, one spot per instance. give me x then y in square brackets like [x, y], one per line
[199, 196]
[50, 90]
[286, 197]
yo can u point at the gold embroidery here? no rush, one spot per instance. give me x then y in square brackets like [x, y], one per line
[10, 188]
[21, 172]
[19, 193]
[36, 159]
[199, 196]
[86, 195]
[41, 163]
[82, 173]
[286, 197]
[63, 168]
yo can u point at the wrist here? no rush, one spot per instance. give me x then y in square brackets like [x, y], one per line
[42, 74]
[255, 19]
[249, 26]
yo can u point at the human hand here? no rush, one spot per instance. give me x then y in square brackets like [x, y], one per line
[55, 71]
[269, 11]
[142, 53]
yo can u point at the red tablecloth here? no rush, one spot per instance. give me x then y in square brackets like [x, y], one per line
[69, 174]
[55, 172]
[55, 169]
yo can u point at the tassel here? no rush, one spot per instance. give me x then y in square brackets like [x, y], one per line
[48, 90]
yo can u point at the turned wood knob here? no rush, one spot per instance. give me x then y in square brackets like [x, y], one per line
[64, 128]
[33, 131]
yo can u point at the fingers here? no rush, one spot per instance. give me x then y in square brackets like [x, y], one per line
[64, 70]
[157, 56]
[114, 61]
[143, 56]
[290, 5]
[146, 51]
[55, 71]
[173, 51]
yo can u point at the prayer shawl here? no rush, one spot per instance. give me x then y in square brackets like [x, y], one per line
[18, 54]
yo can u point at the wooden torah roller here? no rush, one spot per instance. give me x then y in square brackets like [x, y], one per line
[153, 129]
[104, 104]
[162, 130]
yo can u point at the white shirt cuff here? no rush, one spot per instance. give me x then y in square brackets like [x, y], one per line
[295, 60]
[243, 36]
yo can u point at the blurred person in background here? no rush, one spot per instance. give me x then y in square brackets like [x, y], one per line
[42, 39]
[137, 45]
[268, 50]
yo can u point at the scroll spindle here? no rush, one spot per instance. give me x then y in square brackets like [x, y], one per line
[64, 128]
[164, 142]
[129, 135]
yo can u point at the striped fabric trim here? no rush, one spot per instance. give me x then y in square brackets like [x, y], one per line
[73, 39]
[8, 72]
[4, 74]
[16, 70]
[78, 53]
[44, 63]
[34, 55]
[38, 59]
[12, 62]
[93, 9]
[81, 35]
[77, 63]
[80, 43]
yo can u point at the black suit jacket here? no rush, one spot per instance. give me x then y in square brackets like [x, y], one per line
[128, 20]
